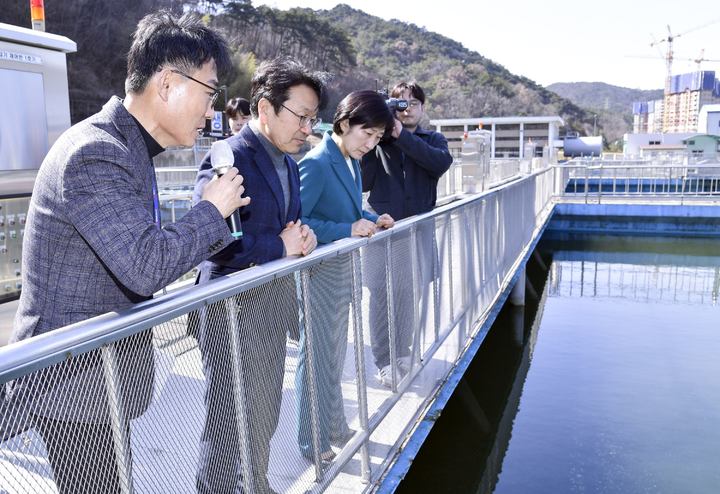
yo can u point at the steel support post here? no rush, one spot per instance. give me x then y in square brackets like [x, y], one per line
[360, 364]
[305, 302]
[118, 419]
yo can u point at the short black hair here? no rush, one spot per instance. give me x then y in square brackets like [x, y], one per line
[185, 43]
[366, 108]
[274, 78]
[237, 105]
[415, 90]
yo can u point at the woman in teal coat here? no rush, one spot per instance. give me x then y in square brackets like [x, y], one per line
[331, 197]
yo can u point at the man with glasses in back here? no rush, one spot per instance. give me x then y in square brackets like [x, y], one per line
[94, 242]
[285, 100]
[402, 176]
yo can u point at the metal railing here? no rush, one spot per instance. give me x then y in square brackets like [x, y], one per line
[594, 181]
[469, 176]
[251, 377]
[176, 183]
[248, 377]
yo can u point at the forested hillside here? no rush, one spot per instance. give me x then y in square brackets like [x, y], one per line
[459, 82]
[602, 96]
[612, 104]
[359, 50]
[102, 31]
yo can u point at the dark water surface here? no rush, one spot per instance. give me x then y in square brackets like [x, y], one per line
[609, 384]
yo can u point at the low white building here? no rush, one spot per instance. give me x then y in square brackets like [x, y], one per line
[703, 146]
[512, 137]
[635, 145]
[709, 120]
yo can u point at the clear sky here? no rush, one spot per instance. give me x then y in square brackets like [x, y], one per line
[561, 40]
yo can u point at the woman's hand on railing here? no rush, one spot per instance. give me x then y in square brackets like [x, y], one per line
[363, 228]
[385, 221]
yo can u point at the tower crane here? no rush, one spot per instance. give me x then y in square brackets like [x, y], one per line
[669, 53]
[699, 60]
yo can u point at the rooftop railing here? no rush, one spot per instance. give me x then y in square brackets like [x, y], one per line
[595, 181]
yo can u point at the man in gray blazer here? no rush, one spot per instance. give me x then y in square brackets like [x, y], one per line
[93, 240]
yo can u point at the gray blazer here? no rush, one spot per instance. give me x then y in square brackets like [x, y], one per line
[91, 246]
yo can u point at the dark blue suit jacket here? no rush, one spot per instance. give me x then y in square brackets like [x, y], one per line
[408, 186]
[264, 218]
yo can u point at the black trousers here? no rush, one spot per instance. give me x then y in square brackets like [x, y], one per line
[82, 455]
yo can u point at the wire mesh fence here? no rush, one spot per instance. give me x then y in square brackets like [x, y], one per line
[296, 376]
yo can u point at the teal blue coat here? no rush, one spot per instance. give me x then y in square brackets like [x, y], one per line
[331, 200]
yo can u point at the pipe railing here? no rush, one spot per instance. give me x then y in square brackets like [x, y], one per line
[595, 181]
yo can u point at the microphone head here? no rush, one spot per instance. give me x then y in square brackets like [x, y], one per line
[221, 157]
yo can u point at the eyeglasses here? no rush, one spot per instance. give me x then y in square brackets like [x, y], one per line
[215, 90]
[305, 121]
[413, 103]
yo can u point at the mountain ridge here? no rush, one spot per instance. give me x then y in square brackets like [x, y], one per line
[363, 51]
[603, 96]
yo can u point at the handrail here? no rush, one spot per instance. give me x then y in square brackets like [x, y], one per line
[528, 193]
[52, 347]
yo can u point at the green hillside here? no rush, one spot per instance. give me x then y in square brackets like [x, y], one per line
[611, 104]
[360, 51]
[602, 96]
[459, 82]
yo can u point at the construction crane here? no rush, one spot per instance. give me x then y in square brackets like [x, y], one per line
[699, 60]
[669, 53]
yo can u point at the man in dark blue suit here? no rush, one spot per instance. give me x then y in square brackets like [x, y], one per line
[402, 177]
[285, 100]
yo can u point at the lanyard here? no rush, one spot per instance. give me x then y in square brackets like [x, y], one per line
[156, 199]
[156, 207]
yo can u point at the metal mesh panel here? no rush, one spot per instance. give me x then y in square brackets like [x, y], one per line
[250, 392]
[469, 274]
[426, 281]
[442, 233]
[504, 233]
[390, 290]
[71, 434]
[249, 434]
[458, 236]
[403, 300]
[492, 252]
[326, 379]
[164, 440]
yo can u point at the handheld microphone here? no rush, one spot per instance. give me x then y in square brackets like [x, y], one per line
[222, 159]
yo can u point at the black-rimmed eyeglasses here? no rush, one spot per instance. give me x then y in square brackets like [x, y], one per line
[305, 121]
[215, 90]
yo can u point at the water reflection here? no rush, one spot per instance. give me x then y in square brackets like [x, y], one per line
[612, 387]
[653, 270]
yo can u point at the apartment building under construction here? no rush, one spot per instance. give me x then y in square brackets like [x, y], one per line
[679, 109]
